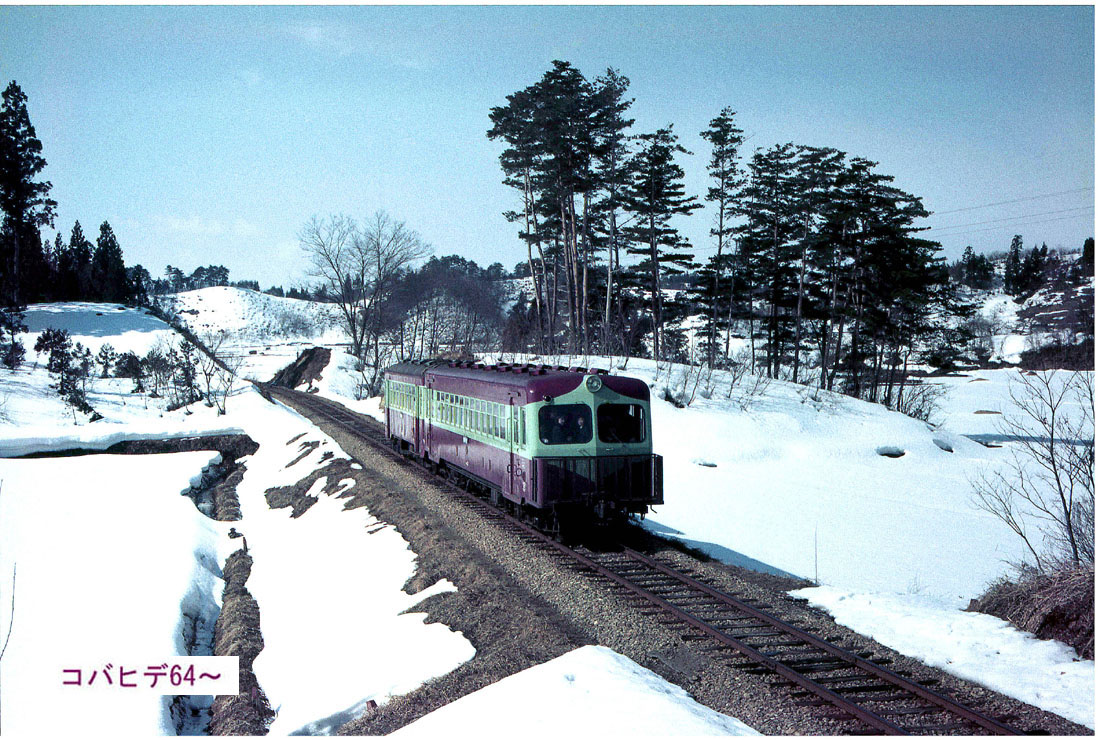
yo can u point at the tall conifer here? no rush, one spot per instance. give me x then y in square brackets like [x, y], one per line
[24, 200]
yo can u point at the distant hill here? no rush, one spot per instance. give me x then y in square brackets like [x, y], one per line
[248, 314]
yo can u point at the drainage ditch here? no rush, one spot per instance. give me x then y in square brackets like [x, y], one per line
[206, 629]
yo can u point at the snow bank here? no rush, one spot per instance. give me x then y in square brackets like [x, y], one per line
[317, 672]
[977, 647]
[588, 692]
[108, 553]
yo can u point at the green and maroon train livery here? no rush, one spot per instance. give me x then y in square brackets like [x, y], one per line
[558, 444]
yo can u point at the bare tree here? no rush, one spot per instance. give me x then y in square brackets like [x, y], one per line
[360, 266]
[1047, 489]
[211, 361]
[389, 247]
[224, 377]
[341, 270]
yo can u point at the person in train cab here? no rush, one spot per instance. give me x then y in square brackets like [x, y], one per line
[580, 430]
[559, 432]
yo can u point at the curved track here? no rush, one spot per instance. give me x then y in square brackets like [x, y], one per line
[863, 695]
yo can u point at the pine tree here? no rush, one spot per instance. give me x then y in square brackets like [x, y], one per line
[818, 171]
[725, 139]
[612, 157]
[1013, 265]
[80, 250]
[108, 268]
[566, 150]
[654, 196]
[24, 201]
[12, 324]
[769, 239]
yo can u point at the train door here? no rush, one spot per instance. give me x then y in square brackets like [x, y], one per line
[421, 431]
[514, 480]
[429, 394]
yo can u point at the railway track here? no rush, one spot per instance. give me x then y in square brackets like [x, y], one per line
[861, 694]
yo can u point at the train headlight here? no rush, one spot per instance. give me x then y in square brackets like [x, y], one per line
[593, 383]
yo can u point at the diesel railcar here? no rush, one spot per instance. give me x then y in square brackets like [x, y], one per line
[560, 445]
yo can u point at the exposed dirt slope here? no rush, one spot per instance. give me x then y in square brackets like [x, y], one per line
[305, 370]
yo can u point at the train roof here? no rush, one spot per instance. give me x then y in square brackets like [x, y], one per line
[536, 380]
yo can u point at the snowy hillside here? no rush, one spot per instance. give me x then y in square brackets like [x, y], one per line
[248, 315]
[26, 401]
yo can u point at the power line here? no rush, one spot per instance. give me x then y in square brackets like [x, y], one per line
[1016, 200]
[1006, 226]
[1008, 218]
[920, 234]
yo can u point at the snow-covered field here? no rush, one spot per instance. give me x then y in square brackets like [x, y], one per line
[794, 481]
[105, 570]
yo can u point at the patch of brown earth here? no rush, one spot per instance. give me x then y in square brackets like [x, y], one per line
[297, 497]
[306, 448]
[305, 370]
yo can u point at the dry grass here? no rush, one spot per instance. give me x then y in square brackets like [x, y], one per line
[237, 632]
[1059, 605]
[306, 448]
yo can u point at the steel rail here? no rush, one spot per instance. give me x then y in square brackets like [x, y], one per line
[834, 651]
[347, 419]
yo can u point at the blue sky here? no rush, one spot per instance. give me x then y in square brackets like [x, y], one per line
[210, 135]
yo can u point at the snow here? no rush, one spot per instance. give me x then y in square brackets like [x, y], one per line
[970, 645]
[305, 570]
[94, 324]
[108, 556]
[588, 692]
[248, 315]
[322, 564]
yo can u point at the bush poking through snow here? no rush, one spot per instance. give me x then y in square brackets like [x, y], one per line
[72, 363]
[1058, 605]
[12, 324]
[922, 401]
[1048, 485]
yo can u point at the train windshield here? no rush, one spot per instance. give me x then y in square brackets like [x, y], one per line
[621, 423]
[566, 424]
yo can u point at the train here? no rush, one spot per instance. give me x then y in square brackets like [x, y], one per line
[566, 447]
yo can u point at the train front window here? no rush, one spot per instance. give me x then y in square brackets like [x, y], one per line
[621, 423]
[567, 424]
